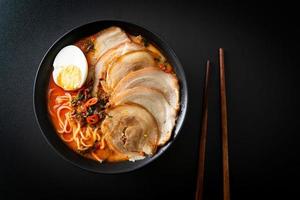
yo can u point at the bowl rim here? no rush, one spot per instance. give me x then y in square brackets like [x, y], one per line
[182, 112]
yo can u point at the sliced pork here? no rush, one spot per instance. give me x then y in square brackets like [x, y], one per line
[152, 77]
[107, 59]
[131, 130]
[107, 39]
[127, 63]
[155, 102]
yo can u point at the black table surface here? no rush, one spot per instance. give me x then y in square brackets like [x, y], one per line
[261, 47]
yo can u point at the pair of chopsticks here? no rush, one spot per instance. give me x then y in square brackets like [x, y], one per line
[224, 132]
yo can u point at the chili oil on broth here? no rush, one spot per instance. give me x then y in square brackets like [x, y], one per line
[89, 141]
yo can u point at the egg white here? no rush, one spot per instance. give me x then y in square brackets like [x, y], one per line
[70, 57]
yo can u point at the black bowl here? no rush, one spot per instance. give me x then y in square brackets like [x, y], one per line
[40, 96]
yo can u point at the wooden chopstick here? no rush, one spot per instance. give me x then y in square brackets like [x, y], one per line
[201, 156]
[224, 128]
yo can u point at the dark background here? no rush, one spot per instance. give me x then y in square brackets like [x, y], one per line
[261, 42]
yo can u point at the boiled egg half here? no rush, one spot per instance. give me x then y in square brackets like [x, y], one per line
[70, 68]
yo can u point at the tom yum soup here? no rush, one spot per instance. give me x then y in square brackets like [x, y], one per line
[113, 96]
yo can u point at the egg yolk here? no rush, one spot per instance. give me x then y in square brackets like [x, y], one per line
[69, 77]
